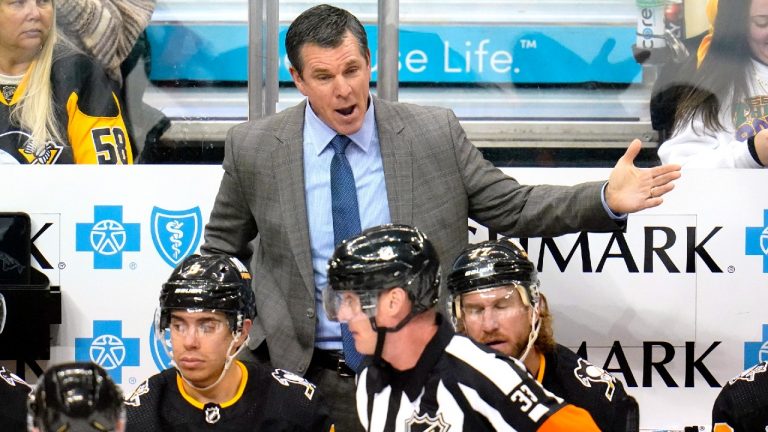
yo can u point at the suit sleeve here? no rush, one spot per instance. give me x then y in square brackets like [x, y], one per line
[500, 202]
[231, 226]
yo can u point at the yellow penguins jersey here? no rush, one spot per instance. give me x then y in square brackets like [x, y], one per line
[87, 111]
[267, 400]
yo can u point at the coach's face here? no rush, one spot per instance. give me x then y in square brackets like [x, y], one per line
[336, 82]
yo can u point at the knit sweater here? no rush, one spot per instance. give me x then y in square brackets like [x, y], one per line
[104, 29]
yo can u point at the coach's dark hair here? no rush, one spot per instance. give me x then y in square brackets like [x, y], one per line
[325, 26]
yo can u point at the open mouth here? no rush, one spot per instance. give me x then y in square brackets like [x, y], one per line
[346, 111]
[494, 344]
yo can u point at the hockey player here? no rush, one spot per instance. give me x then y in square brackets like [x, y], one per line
[742, 404]
[495, 300]
[13, 392]
[76, 397]
[422, 376]
[207, 308]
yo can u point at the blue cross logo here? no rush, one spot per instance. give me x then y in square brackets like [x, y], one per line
[756, 351]
[107, 237]
[757, 241]
[108, 348]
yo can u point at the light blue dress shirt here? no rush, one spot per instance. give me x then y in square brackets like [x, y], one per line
[364, 155]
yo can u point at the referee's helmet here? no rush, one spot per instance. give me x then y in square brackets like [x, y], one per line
[381, 258]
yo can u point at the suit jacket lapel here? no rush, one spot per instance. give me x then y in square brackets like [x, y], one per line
[397, 157]
[288, 166]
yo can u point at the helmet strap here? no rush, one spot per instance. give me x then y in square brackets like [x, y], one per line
[534, 334]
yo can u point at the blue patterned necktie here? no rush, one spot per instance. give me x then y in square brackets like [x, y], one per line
[346, 223]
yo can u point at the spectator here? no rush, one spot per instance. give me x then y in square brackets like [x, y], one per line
[106, 30]
[57, 106]
[113, 33]
[495, 300]
[722, 118]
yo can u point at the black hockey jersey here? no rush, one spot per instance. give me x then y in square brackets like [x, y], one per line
[13, 406]
[87, 111]
[458, 385]
[742, 404]
[267, 400]
[587, 386]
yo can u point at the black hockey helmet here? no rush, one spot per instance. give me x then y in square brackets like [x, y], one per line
[381, 258]
[217, 283]
[492, 264]
[76, 397]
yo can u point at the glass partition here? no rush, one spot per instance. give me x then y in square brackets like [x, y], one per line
[544, 77]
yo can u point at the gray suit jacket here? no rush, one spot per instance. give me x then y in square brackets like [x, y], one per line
[435, 180]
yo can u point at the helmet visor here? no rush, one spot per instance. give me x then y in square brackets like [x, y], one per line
[343, 306]
[2, 313]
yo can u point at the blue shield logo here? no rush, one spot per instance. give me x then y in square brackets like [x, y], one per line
[176, 233]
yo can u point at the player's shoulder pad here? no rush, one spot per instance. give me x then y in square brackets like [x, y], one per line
[595, 378]
[11, 379]
[294, 382]
[749, 375]
[147, 390]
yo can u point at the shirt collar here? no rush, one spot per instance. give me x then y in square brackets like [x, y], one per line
[322, 134]
[412, 381]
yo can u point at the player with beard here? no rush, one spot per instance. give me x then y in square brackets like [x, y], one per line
[422, 376]
[207, 306]
[495, 300]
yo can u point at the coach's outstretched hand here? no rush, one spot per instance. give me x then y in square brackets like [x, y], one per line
[632, 189]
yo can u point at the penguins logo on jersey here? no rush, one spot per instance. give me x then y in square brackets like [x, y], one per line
[287, 378]
[587, 373]
[11, 378]
[426, 423]
[45, 155]
[749, 374]
[134, 399]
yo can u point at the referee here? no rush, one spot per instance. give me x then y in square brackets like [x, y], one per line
[421, 375]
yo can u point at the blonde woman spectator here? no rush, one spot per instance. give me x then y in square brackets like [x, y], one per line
[56, 105]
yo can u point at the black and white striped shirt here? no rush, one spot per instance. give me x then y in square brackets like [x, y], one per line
[459, 385]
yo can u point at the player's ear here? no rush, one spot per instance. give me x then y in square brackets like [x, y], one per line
[397, 302]
[247, 324]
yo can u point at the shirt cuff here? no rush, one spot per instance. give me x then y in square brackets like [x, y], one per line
[611, 214]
